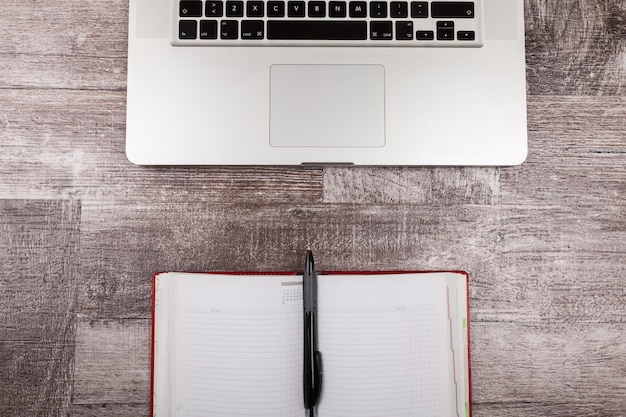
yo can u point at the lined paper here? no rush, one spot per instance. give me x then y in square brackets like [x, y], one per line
[240, 353]
[237, 346]
[384, 359]
[231, 354]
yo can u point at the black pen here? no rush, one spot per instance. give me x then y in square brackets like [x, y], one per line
[312, 383]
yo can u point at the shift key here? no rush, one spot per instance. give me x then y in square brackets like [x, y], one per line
[452, 9]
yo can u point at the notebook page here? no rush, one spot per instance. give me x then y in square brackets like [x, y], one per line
[384, 343]
[238, 346]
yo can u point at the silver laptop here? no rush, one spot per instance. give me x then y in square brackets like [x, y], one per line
[290, 82]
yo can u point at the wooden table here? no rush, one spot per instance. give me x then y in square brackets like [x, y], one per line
[82, 230]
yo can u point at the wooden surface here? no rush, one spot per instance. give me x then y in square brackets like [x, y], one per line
[82, 230]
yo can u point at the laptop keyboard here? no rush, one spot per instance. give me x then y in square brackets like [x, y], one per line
[326, 23]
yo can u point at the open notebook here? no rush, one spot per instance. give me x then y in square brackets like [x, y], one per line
[231, 345]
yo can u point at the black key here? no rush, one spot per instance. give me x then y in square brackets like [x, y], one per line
[357, 9]
[229, 29]
[255, 9]
[317, 9]
[399, 9]
[190, 8]
[445, 34]
[234, 8]
[425, 35]
[252, 29]
[276, 9]
[317, 29]
[381, 30]
[466, 35]
[187, 29]
[208, 29]
[452, 9]
[445, 30]
[378, 9]
[404, 30]
[337, 9]
[295, 9]
[419, 9]
[214, 9]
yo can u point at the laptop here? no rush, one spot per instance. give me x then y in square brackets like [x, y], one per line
[291, 82]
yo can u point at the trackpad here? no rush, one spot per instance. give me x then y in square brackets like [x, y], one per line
[327, 105]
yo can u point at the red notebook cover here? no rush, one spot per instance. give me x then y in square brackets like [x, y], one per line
[293, 273]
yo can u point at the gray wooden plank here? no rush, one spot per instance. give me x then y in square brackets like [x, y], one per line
[575, 47]
[578, 229]
[70, 144]
[576, 153]
[378, 185]
[25, 70]
[119, 257]
[519, 258]
[39, 258]
[112, 367]
[111, 410]
[554, 264]
[565, 369]
[552, 288]
[64, 45]
[65, 27]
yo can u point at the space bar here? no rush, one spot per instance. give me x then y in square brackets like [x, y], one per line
[316, 30]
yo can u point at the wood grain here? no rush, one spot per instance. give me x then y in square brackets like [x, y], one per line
[29, 71]
[77, 139]
[112, 366]
[64, 45]
[63, 28]
[411, 186]
[576, 47]
[38, 254]
[569, 369]
[552, 265]
[173, 236]
[577, 146]
[82, 230]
